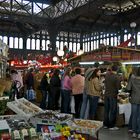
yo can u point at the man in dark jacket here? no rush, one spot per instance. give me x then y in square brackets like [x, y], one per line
[112, 85]
[55, 84]
[44, 87]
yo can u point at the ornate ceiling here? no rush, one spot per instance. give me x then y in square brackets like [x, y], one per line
[29, 16]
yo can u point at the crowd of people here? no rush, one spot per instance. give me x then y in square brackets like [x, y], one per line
[87, 87]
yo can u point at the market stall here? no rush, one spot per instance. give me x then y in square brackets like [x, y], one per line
[31, 122]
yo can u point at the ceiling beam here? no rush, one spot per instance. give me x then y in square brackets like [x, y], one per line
[134, 2]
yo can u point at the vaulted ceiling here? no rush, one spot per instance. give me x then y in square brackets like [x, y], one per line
[28, 16]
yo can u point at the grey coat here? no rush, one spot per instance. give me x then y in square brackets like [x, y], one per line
[134, 87]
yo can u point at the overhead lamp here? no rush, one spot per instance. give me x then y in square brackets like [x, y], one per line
[133, 24]
[55, 59]
[130, 62]
[80, 52]
[90, 63]
[25, 62]
[60, 53]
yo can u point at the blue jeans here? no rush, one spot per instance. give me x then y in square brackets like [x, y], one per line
[136, 118]
[110, 111]
[43, 101]
[130, 120]
[84, 105]
[93, 103]
[65, 103]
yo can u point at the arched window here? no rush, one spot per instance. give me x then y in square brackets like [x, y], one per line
[61, 45]
[74, 47]
[38, 44]
[43, 44]
[20, 43]
[11, 42]
[129, 36]
[78, 46]
[92, 45]
[33, 44]
[125, 37]
[138, 38]
[115, 41]
[5, 39]
[57, 44]
[16, 43]
[112, 41]
[28, 44]
[48, 42]
[70, 46]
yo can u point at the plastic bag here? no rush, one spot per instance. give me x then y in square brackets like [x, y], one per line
[30, 95]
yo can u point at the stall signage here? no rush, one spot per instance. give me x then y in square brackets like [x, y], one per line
[106, 56]
[126, 56]
[116, 55]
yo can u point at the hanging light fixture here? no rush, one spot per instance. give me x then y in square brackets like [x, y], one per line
[133, 24]
[80, 52]
[60, 53]
[55, 59]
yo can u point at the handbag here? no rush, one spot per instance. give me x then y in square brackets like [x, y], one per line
[30, 95]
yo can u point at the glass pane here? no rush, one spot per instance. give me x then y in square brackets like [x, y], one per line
[5, 39]
[125, 37]
[92, 45]
[33, 44]
[115, 41]
[61, 45]
[16, 43]
[28, 44]
[88, 46]
[112, 41]
[11, 42]
[57, 44]
[107, 41]
[97, 44]
[129, 36]
[74, 47]
[138, 38]
[20, 43]
[48, 42]
[70, 46]
[43, 44]
[78, 46]
[37, 44]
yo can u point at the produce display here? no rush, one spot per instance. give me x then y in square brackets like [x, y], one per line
[32, 123]
[24, 107]
[50, 117]
[86, 126]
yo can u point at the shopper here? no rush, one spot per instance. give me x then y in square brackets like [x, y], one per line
[77, 90]
[88, 73]
[29, 79]
[134, 86]
[66, 92]
[55, 84]
[94, 92]
[112, 85]
[44, 86]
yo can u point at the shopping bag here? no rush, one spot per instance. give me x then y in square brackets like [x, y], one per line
[30, 94]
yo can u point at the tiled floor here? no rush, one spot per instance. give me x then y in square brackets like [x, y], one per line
[122, 134]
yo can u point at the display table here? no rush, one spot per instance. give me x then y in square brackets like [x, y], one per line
[126, 110]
